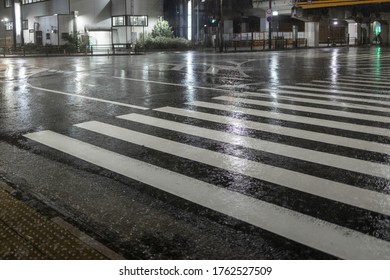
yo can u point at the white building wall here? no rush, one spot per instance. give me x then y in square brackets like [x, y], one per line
[93, 19]
[119, 7]
[151, 8]
[65, 25]
[92, 13]
[42, 16]
[55, 17]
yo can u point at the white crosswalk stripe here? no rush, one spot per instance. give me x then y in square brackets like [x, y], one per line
[370, 82]
[383, 94]
[353, 84]
[335, 240]
[294, 118]
[351, 164]
[282, 130]
[312, 88]
[351, 137]
[333, 112]
[334, 100]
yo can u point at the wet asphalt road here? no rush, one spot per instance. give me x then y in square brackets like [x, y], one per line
[274, 155]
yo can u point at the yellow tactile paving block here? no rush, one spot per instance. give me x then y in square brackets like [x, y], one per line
[25, 234]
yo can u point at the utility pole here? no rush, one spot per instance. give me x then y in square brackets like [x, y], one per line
[131, 25]
[197, 22]
[221, 26]
[270, 28]
[126, 17]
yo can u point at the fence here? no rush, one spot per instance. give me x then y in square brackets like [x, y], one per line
[260, 41]
[232, 42]
[279, 40]
[49, 50]
[341, 41]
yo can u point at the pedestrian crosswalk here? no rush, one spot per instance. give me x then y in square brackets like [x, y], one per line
[280, 105]
[291, 117]
[325, 147]
[328, 99]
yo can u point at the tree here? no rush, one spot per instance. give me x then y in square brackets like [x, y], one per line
[162, 29]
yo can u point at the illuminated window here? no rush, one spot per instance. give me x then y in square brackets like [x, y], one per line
[24, 2]
[118, 21]
[138, 20]
[9, 26]
[7, 3]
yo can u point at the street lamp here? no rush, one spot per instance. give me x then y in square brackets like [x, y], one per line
[276, 14]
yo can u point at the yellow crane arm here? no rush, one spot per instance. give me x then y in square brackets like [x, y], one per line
[335, 3]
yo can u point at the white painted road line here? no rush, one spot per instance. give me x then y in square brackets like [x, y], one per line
[373, 76]
[336, 100]
[169, 84]
[321, 235]
[327, 90]
[360, 81]
[293, 118]
[332, 160]
[350, 84]
[347, 194]
[383, 94]
[281, 130]
[89, 98]
[332, 112]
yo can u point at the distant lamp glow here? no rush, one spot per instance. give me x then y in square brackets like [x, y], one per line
[335, 22]
[189, 17]
[275, 13]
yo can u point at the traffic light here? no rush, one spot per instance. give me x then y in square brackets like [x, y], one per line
[213, 22]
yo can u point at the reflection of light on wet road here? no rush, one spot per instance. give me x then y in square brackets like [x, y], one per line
[16, 100]
[9, 73]
[378, 61]
[146, 87]
[334, 66]
[87, 97]
[189, 80]
[274, 70]
[79, 81]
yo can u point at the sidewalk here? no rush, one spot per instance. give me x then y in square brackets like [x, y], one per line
[27, 235]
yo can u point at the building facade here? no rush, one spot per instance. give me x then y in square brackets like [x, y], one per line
[101, 22]
[110, 22]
